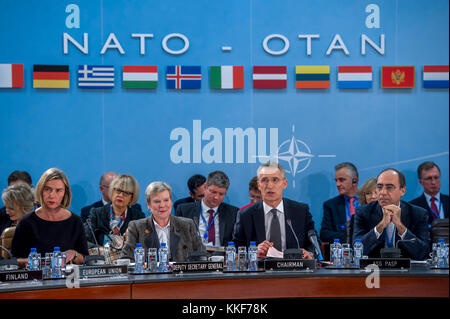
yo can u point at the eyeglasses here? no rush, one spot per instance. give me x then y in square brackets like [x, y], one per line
[266, 180]
[121, 191]
[389, 187]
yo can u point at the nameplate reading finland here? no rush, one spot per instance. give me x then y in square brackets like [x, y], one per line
[198, 266]
[386, 263]
[20, 275]
[97, 271]
[290, 264]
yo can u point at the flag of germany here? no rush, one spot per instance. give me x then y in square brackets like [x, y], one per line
[51, 76]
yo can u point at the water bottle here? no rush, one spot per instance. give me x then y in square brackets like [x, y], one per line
[230, 256]
[441, 253]
[446, 255]
[357, 251]
[139, 259]
[252, 256]
[34, 260]
[163, 258]
[336, 253]
[106, 250]
[434, 255]
[56, 263]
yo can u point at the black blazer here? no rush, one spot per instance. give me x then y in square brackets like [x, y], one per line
[85, 211]
[250, 225]
[413, 217]
[421, 201]
[334, 220]
[99, 222]
[227, 218]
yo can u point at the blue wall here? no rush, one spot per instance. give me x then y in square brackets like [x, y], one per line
[85, 133]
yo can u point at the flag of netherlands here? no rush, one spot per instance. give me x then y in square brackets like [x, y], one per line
[140, 76]
[312, 76]
[183, 77]
[355, 77]
[435, 76]
[11, 76]
[227, 77]
[269, 77]
[96, 76]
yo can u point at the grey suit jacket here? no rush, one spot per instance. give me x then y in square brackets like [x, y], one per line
[183, 238]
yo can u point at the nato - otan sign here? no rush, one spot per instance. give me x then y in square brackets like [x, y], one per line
[163, 90]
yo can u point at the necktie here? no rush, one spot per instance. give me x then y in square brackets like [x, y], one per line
[352, 206]
[434, 208]
[275, 231]
[211, 230]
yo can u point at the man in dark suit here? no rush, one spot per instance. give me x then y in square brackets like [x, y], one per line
[338, 211]
[385, 222]
[432, 200]
[196, 185]
[214, 218]
[272, 221]
[105, 182]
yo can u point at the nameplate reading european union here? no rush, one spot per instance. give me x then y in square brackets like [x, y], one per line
[201, 266]
[386, 263]
[20, 275]
[290, 264]
[103, 271]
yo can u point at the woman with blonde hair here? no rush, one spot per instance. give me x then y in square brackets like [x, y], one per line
[52, 224]
[367, 192]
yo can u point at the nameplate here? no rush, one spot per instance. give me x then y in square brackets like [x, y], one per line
[103, 271]
[200, 266]
[20, 275]
[386, 263]
[290, 264]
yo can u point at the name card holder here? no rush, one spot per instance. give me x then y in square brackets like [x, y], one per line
[201, 266]
[102, 271]
[20, 275]
[386, 263]
[290, 264]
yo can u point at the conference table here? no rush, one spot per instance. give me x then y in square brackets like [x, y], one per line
[417, 282]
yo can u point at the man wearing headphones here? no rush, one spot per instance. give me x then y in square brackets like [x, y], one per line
[338, 211]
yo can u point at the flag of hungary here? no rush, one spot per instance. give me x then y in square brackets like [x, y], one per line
[227, 77]
[140, 76]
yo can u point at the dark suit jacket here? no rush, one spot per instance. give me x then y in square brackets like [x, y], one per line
[85, 211]
[182, 201]
[250, 225]
[421, 201]
[100, 218]
[5, 221]
[334, 220]
[227, 218]
[183, 238]
[413, 217]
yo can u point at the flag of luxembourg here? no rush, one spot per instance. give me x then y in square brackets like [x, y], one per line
[435, 76]
[354, 77]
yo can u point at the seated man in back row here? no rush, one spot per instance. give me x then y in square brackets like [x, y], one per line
[390, 222]
[273, 221]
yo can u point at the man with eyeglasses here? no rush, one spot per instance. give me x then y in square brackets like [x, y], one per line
[105, 182]
[272, 221]
[390, 222]
[432, 199]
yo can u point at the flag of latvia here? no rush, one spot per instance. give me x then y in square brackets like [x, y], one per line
[269, 77]
[11, 76]
[140, 76]
[227, 77]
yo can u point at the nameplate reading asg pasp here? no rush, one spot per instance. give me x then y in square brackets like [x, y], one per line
[197, 266]
[386, 263]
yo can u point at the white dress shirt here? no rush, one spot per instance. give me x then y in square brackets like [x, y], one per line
[390, 229]
[202, 225]
[268, 221]
[437, 202]
[163, 235]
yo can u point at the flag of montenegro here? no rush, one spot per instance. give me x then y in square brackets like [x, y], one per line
[393, 77]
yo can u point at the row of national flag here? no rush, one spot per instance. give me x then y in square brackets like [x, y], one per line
[223, 77]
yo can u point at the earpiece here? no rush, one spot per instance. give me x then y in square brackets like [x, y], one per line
[354, 181]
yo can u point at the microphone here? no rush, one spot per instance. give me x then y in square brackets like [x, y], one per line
[196, 225]
[347, 231]
[313, 238]
[8, 264]
[6, 250]
[293, 253]
[94, 259]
